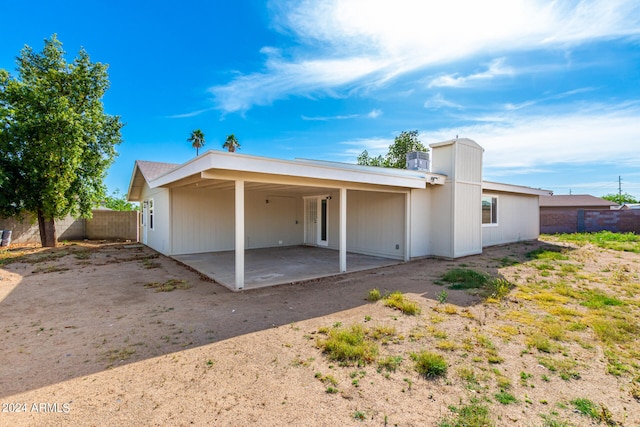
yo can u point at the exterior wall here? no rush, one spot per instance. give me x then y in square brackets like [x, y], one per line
[204, 220]
[571, 220]
[441, 221]
[421, 223]
[468, 219]
[277, 223]
[376, 223]
[457, 208]
[518, 219]
[160, 237]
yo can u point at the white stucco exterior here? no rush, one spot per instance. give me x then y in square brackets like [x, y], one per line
[227, 201]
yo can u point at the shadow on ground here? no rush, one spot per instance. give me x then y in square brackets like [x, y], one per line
[81, 312]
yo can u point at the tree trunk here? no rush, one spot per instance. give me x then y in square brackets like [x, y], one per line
[48, 236]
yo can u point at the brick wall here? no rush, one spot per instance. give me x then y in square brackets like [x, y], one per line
[590, 220]
[108, 225]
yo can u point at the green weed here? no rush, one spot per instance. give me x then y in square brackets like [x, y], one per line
[398, 301]
[430, 365]
[349, 345]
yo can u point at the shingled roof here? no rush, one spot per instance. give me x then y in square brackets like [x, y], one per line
[145, 170]
[575, 201]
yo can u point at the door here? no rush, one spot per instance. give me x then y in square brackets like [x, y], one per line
[316, 221]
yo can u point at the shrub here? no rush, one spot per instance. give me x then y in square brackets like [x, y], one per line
[430, 365]
[463, 278]
[374, 295]
[349, 345]
[398, 301]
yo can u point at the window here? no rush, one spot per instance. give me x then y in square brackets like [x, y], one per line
[151, 214]
[489, 210]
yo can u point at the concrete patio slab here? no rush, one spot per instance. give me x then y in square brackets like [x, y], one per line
[279, 265]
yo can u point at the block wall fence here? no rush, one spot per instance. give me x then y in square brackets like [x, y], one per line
[104, 225]
[589, 220]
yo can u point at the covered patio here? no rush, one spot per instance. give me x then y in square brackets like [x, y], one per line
[279, 265]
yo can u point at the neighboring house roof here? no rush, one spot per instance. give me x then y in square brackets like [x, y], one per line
[575, 201]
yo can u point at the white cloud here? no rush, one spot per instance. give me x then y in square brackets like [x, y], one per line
[374, 146]
[496, 68]
[368, 42]
[374, 114]
[371, 115]
[438, 101]
[515, 142]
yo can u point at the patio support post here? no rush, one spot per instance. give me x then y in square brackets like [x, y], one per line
[239, 235]
[407, 226]
[343, 230]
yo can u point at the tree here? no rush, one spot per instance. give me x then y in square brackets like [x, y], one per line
[196, 139]
[231, 143]
[56, 142]
[620, 198]
[396, 157]
[365, 159]
[118, 202]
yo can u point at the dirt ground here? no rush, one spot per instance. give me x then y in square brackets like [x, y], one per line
[86, 339]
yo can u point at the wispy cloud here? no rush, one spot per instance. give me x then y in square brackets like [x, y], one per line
[345, 44]
[373, 114]
[495, 69]
[190, 114]
[596, 135]
[554, 97]
[375, 146]
[327, 118]
[438, 101]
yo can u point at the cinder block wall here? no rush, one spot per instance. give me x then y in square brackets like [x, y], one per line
[108, 225]
[589, 220]
[616, 221]
[113, 225]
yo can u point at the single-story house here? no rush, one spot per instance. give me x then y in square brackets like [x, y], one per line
[229, 202]
[566, 213]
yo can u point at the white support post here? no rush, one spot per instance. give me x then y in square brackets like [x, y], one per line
[343, 229]
[407, 226]
[239, 235]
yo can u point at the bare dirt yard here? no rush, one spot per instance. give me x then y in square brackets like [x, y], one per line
[99, 333]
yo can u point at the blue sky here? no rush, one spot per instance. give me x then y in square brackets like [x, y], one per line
[551, 90]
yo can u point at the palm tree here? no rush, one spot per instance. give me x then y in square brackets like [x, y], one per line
[231, 143]
[196, 139]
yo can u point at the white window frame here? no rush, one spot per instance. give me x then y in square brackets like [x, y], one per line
[492, 213]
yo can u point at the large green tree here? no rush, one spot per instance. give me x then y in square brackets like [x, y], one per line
[396, 157]
[620, 198]
[56, 142]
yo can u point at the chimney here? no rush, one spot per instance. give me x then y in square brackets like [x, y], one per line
[418, 161]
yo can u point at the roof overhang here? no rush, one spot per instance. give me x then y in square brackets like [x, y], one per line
[229, 166]
[518, 189]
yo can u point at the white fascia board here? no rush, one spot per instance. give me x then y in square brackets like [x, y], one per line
[247, 163]
[509, 188]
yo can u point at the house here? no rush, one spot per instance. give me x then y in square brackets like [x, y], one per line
[566, 213]
[235, 204]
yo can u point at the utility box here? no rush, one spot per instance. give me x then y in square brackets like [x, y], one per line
[418, 161]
